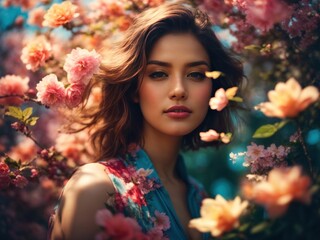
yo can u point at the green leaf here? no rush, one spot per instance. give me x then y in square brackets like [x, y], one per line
[252, 47]
[13, 165]
[236, 99]
[32, 121]
[15, 112]
[268, 130]
[27, 113]
[259, 228]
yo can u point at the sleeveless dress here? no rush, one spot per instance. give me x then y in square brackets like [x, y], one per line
[139, 194]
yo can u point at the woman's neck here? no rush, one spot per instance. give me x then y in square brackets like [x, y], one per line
[163, 151]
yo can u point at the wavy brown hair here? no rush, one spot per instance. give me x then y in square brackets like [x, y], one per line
[118, 119]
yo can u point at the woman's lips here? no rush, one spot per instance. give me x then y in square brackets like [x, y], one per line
[178, 112]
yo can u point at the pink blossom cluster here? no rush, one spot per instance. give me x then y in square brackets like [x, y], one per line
[118, 226]
[161, 223]
[264, 14]
[261, 160]
[24, 151]
[108, 9]
[24, 4]
[15, 176]
[80, 66]
[36, 16]
[303, 23]
[11, 85]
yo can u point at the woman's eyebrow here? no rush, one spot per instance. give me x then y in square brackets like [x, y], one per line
[166, 64]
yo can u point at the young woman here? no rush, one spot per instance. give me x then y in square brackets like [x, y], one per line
[155, 103]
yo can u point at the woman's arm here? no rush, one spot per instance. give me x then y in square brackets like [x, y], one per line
[84, 194]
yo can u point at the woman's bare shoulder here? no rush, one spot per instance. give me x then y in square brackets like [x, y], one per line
[85, 193]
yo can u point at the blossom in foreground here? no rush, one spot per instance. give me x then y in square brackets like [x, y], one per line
[13, 85]
[219, 215]
[288, 99]
[282, 187]
[51, 92]
[212, 135]
[81, 64]
[117, 226]
[35, 53]
[221, 98]
[60, 14]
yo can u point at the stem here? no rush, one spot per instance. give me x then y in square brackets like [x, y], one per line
[305, 151]
[24, 98]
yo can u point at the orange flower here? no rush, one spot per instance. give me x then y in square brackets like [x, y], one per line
[282, 186]
[60, 14]
[35, 53]
[288, 99]
[218, 215]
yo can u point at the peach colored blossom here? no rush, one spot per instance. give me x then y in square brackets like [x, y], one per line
[24, 151]
[36, 16]
[51, 92]
[81, 64]
[219, 215]
[74, 95]
[288, 99]
[221, 98]
[35, 53]
[13, 85]
[209, 136]
[60, 14]
[213, 135]
[283, 186]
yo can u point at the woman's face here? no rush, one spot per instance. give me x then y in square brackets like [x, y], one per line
[175, 92]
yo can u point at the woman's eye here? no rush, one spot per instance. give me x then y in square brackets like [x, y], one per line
[156, 75]
[197, 76]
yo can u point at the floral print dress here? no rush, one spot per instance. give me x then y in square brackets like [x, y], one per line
[140, 195]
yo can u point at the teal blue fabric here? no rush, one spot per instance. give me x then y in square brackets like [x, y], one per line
[157, 199]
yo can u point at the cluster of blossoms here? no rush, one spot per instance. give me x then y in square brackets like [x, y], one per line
[14, 175]
[261, 160]
[80, 66]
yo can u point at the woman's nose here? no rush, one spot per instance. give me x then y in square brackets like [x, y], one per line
[178, 91]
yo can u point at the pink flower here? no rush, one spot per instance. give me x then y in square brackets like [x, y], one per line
[117, 226]
[288, 99]
[35, 53]
[221, 98]
[36, 16]
[74, 95]
[282, 187]
[51, 92]
[81, 64]
[60, 14]
[20, 181]
[13, 85]
[255, 152]
[263, 14]
[161, 221]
